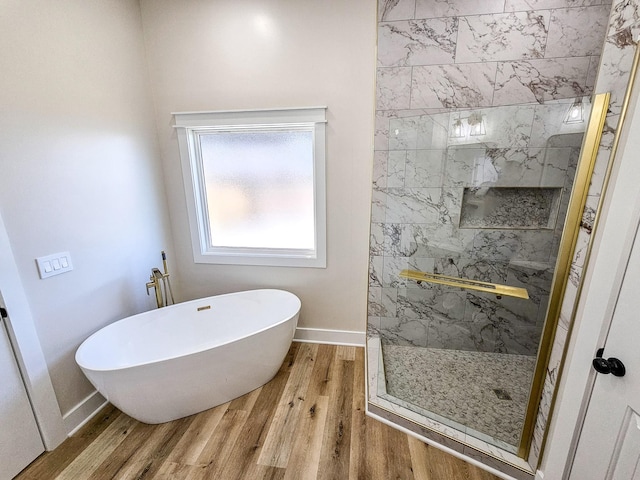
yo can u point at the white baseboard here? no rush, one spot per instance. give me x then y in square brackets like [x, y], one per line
[83, 412]
[331, 337]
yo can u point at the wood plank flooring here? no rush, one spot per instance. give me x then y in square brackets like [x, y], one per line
[307, 423]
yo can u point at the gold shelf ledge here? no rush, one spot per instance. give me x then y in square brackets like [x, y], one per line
[467, 283]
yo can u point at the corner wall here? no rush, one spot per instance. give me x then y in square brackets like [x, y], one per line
[80, 170]
[207, 55]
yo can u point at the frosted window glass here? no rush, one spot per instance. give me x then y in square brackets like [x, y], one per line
[259, 188]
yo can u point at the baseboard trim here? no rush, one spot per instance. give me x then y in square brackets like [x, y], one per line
[331, 337]
[84, 411]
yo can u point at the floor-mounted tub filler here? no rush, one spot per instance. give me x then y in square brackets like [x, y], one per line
[173, 362]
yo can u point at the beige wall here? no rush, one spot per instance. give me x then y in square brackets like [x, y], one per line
[79, 168]
[214, 55]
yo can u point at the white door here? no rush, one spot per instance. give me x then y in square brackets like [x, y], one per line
[20, 441]
[609, 445]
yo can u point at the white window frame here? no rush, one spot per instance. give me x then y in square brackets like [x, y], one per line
[189, 125]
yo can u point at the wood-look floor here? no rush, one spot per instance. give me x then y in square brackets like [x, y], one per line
[307, 423]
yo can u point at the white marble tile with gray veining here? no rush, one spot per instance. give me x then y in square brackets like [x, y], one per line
[389, 10]
[528, 310]
[577, 32]
[509, 245]
[550, 126]
[391, 268]
[541, 80]
[418, 132]
[625, 16]
[375, 271]
[434, 206]
[392, 233]
[518, 5]
[379, 176]
[421, 264]
[374, 302]
[592, 74]
[403, 133]
[404, 331]
[378, 205]
[417, 42]
[617, 56]
[463, 165]
[522, 167]
[589, 214]
[453, 86]
[396, 165]
[386, 121]
[503, 36]
[424, 168]
[495, 327]
[575, 275]
[456, 8]
[506, 167]
[446, 241]
[555, 170]
[480, 269]
[536, 277]
[382, 302]
[393, 88]
[430, 301]
[506, 126]
[376, 240]
[582, 248]
[373, 327]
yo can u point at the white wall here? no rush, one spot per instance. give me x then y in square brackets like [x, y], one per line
[214, 55]
[79, 168]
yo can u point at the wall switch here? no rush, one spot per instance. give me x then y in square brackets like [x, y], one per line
[54, 264]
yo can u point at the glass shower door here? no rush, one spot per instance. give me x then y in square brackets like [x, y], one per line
[465, 240]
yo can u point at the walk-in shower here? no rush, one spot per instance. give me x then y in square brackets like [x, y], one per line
[463, 261]
[486, 137]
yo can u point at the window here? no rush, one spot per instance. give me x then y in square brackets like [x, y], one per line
[255, 185]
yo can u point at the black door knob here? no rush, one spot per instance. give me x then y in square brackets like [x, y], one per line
[609, 365]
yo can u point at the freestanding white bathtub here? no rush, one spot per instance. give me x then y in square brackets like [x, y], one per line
[179, 360]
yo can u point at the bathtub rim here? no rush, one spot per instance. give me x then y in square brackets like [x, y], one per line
[195, 352]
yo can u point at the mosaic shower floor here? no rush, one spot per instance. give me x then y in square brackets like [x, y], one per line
[486, 392]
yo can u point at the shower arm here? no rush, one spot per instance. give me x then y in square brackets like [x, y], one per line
[467, 283]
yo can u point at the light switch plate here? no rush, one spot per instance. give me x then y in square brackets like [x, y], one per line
[54, 264]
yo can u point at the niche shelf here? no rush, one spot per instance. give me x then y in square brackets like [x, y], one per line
[517, 208]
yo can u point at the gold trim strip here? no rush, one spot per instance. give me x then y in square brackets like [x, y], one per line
[467, 283]
[577, 203]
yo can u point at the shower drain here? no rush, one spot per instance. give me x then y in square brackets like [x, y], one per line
[502, 394]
